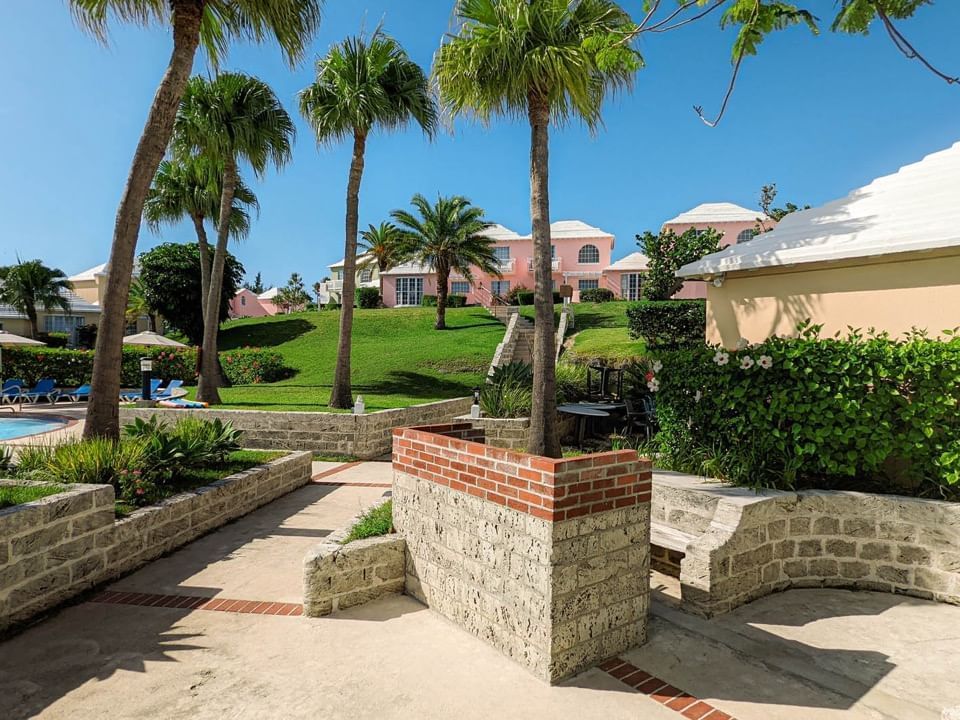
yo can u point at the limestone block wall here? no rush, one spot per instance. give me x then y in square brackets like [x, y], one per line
[755, 545]
[546, 560]
[59, 546]
[365, 436]
[514, 433]
[336, 577]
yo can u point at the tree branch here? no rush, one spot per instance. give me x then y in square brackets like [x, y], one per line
[658, 27]
[726, 98]
[904, 46]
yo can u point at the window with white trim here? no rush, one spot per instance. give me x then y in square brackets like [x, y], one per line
[500, 287]
[589, 284]
[409, 290]
[61, 323]
[746, 235]
[502, 253]
[459, 287]
[366, 276]
[588, 254]
[631, 286]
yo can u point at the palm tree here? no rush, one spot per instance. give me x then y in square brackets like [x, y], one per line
[362, 84]
[448, 235]
[546, 61]
[138, 305]
[189, 186]
[230, 119]
[215, 23]
[29, 285]
[385, 246]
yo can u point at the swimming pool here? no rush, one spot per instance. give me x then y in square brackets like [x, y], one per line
[17, 427]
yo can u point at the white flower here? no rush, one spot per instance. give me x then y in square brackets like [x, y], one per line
[657, 366]
[766, 362]
[689, 423]
[653, 385]
[697, 396]
[746, 362]
[721, 357]
[743, 344]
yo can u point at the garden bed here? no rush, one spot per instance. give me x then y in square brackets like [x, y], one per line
[13, 492]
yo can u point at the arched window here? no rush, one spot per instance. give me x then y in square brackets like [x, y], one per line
[588, 254]
[366, 275]
[746, 235]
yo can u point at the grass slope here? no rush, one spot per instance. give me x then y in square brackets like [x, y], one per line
[601, 333]
[398, 358]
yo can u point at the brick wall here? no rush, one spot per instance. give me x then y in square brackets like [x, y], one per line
[365, 436]
[55, 548]
[547, 560]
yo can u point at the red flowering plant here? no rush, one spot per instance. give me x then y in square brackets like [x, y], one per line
[136, 487]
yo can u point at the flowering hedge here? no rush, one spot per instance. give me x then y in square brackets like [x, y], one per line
[71, 368]
[865, 412]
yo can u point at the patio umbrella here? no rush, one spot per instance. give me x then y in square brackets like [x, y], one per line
[8, 338]
[151, 338]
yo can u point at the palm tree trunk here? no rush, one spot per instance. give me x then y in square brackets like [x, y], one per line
[341, 394]
[103, 416]
[210, 374]
[204, 247]
[443, 276]
[34, 325]
[543, 415]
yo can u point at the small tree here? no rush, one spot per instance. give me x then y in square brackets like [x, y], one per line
[170, 275]
[138, 305]
[256, 286]
[668, 252]
[31, 284]
[318, 288]
[294, 295]
[768, 194]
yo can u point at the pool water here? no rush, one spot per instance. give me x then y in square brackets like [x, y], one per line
[17, 427]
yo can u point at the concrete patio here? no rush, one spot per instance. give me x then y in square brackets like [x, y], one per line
[236, 648]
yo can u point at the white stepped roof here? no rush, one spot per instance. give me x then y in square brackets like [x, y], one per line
[914, 209]
[634, 261]
[722, 212]
[500, 233]
[98, 270]
[573, 229]
[269, 294]
[361, 258]
[77, 305]
[410, 268]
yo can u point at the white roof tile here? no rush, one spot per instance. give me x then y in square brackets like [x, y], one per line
[715, 212]
[914, 209]
[633, 261]
[410, 268]
[77, 305]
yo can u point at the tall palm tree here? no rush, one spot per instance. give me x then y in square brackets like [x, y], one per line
[546, 61]
[448, 235]
[190, 186]
[361, 85]
[215, 23]
[232, 118]
[385, 246]
[31, 284]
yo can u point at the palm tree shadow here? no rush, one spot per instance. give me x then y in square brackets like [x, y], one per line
[268, 334]
[414, 384]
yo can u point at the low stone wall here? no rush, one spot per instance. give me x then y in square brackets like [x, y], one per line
[336, 577]
[514, 433]
[755, 545]
[546, 560]
[365, 436]
[55, 548]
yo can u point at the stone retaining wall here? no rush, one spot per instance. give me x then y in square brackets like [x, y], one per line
[755, 545]
[336, 577]
[55, 548]
[514, 433]
[547, 560]
[364, 436]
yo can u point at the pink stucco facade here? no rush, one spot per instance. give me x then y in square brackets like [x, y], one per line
[246, 304]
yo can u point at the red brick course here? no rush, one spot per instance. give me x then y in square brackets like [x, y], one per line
[192, 602]
[661, 691]
[552, 489]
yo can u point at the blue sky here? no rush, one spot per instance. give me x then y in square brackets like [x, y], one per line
[818, 115]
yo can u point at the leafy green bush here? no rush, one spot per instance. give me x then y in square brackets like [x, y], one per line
[55, 339]
[509, 394]
[456, 301]
[74, 367]
[95, 461]
[332, 304]
[368, 297]
[571, 382]
[597, 295]
[526, 297]
[375, 522]
[428, 301]
[863, 412]
[668, 324]
[252, 366]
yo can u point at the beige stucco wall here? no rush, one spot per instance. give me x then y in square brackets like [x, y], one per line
[891, 296]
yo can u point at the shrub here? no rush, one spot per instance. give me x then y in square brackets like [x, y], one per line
[251, 366]
[526, 297]
[74, 367]
[55, 339]
[94, 461]
[571, 382]
[428, 301]
[864, 412]
[368, 297]
[456, 301]
[375, 522]
[668, 324]
[332, 304]
[87, 336]
[512, 293]
[509, 394]
[597, 295]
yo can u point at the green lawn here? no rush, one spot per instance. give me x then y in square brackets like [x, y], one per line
[600, 333]
[398, 358]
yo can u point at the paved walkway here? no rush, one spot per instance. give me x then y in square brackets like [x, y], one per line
[213, 631]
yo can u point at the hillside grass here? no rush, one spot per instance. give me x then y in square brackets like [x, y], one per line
[398, 358]
[600, 334]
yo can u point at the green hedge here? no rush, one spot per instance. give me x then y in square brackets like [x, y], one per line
[526, 297]
[863, 413]
[71, 368]
[668, 323]
[597, 295]
[453, 301]
[367, 297]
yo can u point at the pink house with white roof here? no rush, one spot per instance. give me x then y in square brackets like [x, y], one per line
[581, 253]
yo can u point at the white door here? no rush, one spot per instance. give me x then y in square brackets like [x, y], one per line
[631, 286]
[409, 290]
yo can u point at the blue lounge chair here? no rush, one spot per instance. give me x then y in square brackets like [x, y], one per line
[168, 390]
[46, 388]
[134, 396]
[12, 391]
[81, 393]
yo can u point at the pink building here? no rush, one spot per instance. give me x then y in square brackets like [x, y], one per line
[581, 253]
[247, 303]
[736, 223]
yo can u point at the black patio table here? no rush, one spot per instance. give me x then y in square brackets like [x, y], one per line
[582, 412]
